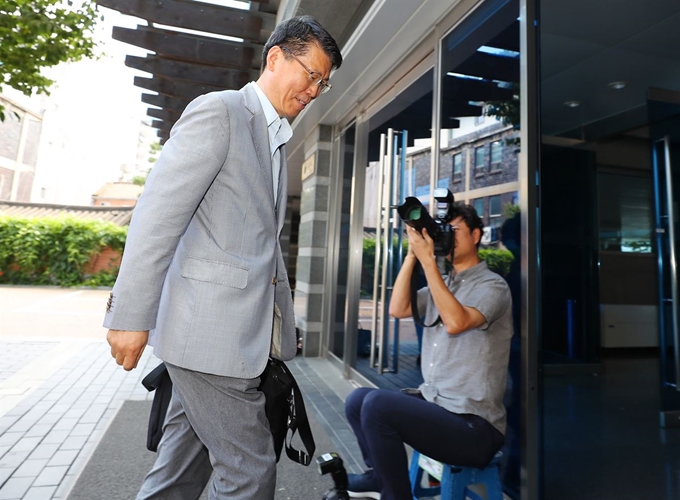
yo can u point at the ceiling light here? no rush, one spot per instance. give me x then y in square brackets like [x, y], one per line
[572, 104]
[617, 85]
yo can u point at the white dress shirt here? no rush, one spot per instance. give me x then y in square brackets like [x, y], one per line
[280, 133]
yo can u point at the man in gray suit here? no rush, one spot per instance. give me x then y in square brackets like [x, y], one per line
[203, 280]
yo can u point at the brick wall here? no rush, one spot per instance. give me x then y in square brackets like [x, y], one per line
[106, 260]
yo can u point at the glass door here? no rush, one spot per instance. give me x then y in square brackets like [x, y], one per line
[664, 116]
[398, 164]
[338, 244]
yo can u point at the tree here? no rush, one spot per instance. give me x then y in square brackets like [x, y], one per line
[507, 112]
[154, 152]
[37, 34]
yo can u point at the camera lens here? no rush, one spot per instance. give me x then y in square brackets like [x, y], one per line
[414, 214]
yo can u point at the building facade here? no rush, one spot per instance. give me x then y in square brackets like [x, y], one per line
[19, 141]
[559, 121]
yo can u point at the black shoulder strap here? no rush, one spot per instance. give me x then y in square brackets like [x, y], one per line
[414, 297]
[157, 380]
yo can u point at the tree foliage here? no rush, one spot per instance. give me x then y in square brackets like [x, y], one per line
[37, 34]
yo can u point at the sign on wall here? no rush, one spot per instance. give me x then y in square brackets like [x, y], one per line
[308, 166]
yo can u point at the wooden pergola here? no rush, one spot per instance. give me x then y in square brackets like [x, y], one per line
[185, 65]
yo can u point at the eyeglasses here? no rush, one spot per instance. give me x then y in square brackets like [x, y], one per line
[313, 77]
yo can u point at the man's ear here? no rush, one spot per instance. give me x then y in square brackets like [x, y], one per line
[477, 235]
[274, 55]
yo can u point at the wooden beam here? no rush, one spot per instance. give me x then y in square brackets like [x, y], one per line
[180, 70]
[170, 88]
[171, 109]
[161, 125]
[191, 48]
[166, 114]
[198, 16]
[163, 134]
[165, 102]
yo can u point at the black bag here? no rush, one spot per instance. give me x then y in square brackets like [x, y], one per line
[284, 408]
[286, 411]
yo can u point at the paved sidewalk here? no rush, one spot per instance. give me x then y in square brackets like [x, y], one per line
[60, 388]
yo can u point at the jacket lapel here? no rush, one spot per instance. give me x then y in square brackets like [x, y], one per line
[283, 190]
[260, 136]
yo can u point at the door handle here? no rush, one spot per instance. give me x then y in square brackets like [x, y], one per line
[673, 257]
[376, 263]
[386, 213]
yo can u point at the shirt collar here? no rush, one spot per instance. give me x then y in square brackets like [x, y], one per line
[471, 271]
[270, 113]
[281, 128]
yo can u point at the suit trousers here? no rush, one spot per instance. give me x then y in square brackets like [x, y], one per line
[214, 424]
[384, 420]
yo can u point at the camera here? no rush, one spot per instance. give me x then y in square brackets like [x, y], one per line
[414, 214]
[332, 463]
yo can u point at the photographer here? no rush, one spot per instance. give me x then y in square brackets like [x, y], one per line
[456, 416]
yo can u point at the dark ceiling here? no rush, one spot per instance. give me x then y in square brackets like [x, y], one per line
[475, 77]
[586, 46]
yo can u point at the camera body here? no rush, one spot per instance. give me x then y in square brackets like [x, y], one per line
[414, 214]
[331, 463]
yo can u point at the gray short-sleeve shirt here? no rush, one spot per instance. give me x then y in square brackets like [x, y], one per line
[467, 372]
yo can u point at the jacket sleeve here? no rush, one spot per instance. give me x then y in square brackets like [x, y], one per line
[190, 160]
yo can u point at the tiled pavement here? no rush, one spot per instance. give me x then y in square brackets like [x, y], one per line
[47, 435]
[60, 388]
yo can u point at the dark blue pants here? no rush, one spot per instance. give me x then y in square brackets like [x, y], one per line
[384, 420]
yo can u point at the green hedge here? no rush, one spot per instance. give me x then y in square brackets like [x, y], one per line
[55, 251]
[499, 261]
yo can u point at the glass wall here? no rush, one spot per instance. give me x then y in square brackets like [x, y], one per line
[455, 125]
[610, 87]
[479, 159]
[339, 224]
[398, 165]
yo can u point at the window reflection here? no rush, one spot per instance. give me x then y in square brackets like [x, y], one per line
[480, 123]
[625, 207]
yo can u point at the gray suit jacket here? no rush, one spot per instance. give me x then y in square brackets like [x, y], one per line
[202, 266]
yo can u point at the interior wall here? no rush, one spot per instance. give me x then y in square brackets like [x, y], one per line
[628, 281]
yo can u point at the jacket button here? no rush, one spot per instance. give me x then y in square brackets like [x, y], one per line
[274, 280]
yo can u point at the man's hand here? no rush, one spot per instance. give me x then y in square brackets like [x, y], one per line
[127, 347]
[420, 244]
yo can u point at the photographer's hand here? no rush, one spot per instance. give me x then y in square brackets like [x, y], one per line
[420, 245]
[420, 248]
